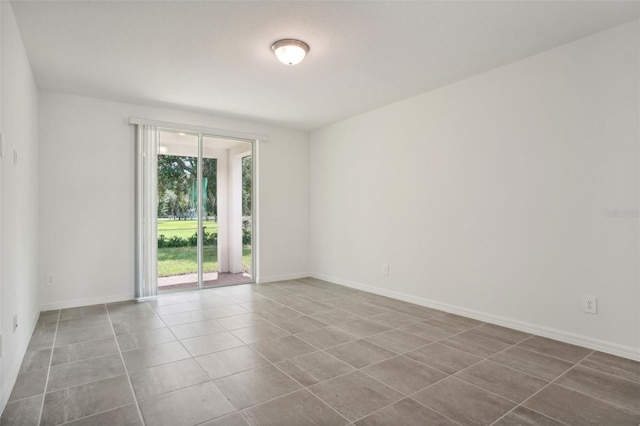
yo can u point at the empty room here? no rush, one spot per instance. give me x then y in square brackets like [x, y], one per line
[341, 213]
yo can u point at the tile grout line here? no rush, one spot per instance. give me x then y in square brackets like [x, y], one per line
[306, 388]
[488, 359]
[419, 320]
[126, 370]
[396, 354]
[239, 411]
[551, 356]
[404, 396]
[357, 338]
[303, 387]
[614, 404]
[541, 389]
[291, 334]
[46, 383]
[483, 359]
[579, 363]
[93, 414]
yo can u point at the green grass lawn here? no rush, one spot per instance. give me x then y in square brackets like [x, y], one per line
[184, 228]
[184, 260]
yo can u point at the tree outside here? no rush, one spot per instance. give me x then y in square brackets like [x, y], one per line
[177, 214]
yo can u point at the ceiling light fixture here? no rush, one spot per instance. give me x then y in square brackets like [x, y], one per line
[290, 51]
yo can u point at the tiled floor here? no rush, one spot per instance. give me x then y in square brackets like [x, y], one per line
[307, 352]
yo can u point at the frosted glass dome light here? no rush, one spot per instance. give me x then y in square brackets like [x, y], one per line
[290, 51]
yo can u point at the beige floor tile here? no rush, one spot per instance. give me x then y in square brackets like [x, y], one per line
[211, 343]
[404, 374]
[443, 358]
[355, 395]
[84, 350]
[298, 408]
[122, 416]
[29, 384]
[85, 400]
[235, 322]
[398, 341]
[606, 387]
[475, 344]
[334, 316]
[195, 329]
[503, 334]
[395, 319]
[234, 419]
[575, 408]
[89, 370]
[231, 361]
[255, 386]
[318, 334]
[298, 324]
[406, 413]
[165, 378]
[555, 349]
[186, 407]
[522, 416]
[145, 338]
[258, 333]
[429, 331]
[150, 356]
[184, 317]
[621, 367]
[511, 384]
[532, 363]
[314, 368]
[463, 402]
[360, 353]
[284, 348]
[326, 337]
[362, 327]
[23, 412]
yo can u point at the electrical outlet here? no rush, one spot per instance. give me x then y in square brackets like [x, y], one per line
[590, 304]
[15, 323]
[49, 280]
[385, 269]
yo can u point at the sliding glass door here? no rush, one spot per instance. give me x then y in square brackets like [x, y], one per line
[198, 221]
[227, 243]
[177, 208]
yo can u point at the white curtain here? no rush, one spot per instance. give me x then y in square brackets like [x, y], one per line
[146, 213]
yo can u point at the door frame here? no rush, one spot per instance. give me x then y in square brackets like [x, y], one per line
[146, 218]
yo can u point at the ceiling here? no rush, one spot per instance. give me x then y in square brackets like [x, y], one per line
[215, 56]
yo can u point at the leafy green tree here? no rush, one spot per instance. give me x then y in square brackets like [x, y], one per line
[176, 183]
[247, 180]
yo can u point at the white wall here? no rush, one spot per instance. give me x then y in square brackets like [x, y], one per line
[87, 197]
[487, 197]
[19, 206]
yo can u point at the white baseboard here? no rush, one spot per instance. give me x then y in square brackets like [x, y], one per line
[274, 278]
[12, 375]
[551, 333]
[75, 303]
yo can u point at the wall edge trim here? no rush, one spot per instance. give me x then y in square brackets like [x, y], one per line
[551, 333]
[274, 278]
[88, 301]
